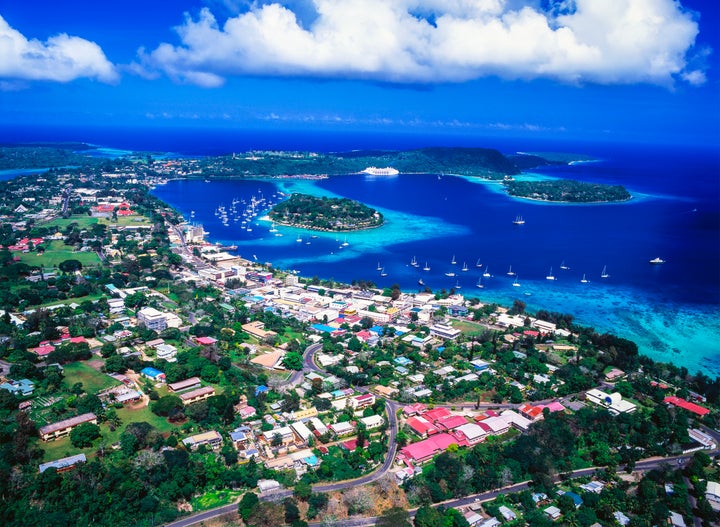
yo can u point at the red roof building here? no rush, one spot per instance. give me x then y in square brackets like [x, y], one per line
[687, 405]
[422, 426]
[349, 445]
[450, 422]
[531, 412]
[423, 451]
[436, 413]
[41, 351]
[414, 409]
[205, 341]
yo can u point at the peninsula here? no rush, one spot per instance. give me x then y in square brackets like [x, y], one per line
[325, 214]
[567, 191]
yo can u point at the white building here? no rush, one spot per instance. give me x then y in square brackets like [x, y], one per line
[613, 402]
[373, 421]
[151, 318]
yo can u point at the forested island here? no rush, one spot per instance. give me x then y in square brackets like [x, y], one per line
[325, 214]
[44, 155]
[568, 191]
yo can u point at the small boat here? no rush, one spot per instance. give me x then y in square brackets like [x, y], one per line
[519, 220]
[465, 267]
[299, 239]
[413, 262]
[584, 280]
[382, 272]
[657, 261]
[478, 264]
[479, 283]
[379, 267]
[511, 272]
[487, 274]
[604, 273]
[345, 243]
[421, 282]
[457, 285]
[449, 273]
[453, 260]
[427, 267]
[273, 229]
[550, 276]
[516, 283]
[563, 266]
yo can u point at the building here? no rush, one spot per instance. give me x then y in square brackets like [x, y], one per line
[151, 318]
[613, 402]
[63, 464]
[342, 429]
[257, 330]
[166, 352]
[212, 439]
[361, 401]
[444, 331]
[712, 494]
[199, 394]
[63, 428]
[192, 382]
[153, 374]
[686, 405]
[552, 512]
[425, 450]
[23, 387]
[302, 431]
[285, 432]
[421, 426]
[372, 422]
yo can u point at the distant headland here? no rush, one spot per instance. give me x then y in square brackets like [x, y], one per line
[325, 214]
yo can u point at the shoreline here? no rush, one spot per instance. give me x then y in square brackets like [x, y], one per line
[319, 229]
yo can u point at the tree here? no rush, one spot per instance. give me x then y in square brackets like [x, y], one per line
[394, 517]
[266, 514]
[166, 406]
[427, 516]
[70, 266]
[293, 361]
[302, 490]
[84, 434]
[247, 505]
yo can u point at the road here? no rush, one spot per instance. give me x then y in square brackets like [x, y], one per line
[392, 408]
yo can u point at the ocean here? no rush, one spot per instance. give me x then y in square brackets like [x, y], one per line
[671, 310]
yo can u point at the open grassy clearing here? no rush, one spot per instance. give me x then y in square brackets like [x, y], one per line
[92, 380]
[55, 252]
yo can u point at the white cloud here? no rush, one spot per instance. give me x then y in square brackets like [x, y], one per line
[429, 41]
[61, 58]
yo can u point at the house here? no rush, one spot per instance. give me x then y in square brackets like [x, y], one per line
[153, 374]
[621, 518]
[318, 425]
[268, 485]
[534, 413]
[577, 500]
[302, 431]
[196, 395]
[676, 520]
[166, 352]
[444, 331]
[63, 464]
[192, 382]
[151, 318]
[23, 387]
[272, 360]
[372, 422]
[552, 512]
[342, 429]
[62, 428]
[285, 432]
[213, 439]
[712, 494]
[361, 401]
[205, 341]
[613, 402]
[506, 513]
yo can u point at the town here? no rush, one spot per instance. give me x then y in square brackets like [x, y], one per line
[148, 374]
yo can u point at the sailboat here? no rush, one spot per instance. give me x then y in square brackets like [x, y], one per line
[453, 260]
[457, 285]
[519, 220]
[479, 283]
[584, 280]
[273, 228]
[382, 272]
[563, 266]
[516, 283]
[299, 239]
[604, 273]
[345, 242]
[449, 273]
[427, 267]
[379, 267]
[421, 282]
[465, 267]
[478, 264]
[550, 276]
[486, 274]
[510, 272]
[413, 262]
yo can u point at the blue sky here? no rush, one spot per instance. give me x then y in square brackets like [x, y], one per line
[623, 70]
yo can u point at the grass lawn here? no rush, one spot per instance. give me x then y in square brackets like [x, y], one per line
[57, 252]
[77, 300]
[60, 448]
[129, 415]
[469, 328]
[215, 498]
[83, 221]
[92, 380]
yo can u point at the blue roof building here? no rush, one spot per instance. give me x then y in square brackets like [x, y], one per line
[261, 389]
[153, 373]
[23, 387]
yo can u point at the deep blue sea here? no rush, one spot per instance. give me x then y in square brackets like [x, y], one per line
[671, 310]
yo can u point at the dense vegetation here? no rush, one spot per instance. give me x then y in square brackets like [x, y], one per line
[327, 214]
[567, 190]
[482, 162]
[42, 155]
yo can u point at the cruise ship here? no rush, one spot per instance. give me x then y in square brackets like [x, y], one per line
[375, 171]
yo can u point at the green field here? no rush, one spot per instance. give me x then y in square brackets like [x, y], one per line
[92, 380]
[468, 328]
[215, 498]
[55, 252]
[83, 221]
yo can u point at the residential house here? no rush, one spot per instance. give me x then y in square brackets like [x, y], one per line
[213, 439]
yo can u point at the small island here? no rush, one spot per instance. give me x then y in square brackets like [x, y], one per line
[325, 214]
[567, 191]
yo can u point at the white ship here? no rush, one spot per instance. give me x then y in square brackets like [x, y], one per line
[375, 171]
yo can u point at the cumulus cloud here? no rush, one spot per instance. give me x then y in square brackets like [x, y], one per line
[61, 58]
[430, 41]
